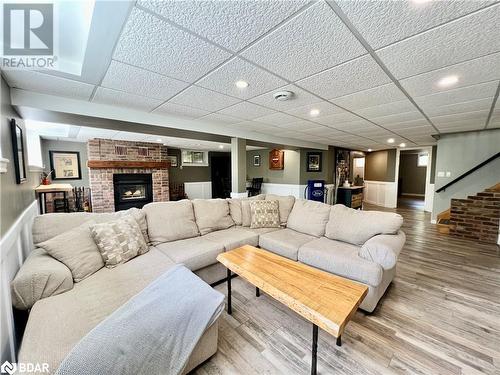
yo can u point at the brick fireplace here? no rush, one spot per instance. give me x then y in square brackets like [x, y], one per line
[107, 158]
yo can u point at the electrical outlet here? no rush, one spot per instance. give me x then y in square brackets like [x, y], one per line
[440, 174]
[448, 174]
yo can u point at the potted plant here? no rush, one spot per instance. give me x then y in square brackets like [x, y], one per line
[46, 177]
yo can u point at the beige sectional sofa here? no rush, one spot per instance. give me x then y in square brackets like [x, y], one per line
[362, 246]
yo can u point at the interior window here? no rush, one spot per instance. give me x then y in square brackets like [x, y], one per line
[423, 159]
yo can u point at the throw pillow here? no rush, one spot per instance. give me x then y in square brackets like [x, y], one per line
[212, 215]
[235, 208]
[265, 214]
[285, 205]
[119, 240]
[77, 250]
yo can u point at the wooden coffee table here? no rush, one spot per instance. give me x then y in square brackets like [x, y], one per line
[326, 300]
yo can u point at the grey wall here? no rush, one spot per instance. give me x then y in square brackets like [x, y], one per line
[49, 145]
[14, 198]
[289, 175]
[327, 169]
[381, 166]
[457, 153]
[178, 175]
[412, 177]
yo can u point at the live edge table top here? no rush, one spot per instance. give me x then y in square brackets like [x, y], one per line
[325, 300]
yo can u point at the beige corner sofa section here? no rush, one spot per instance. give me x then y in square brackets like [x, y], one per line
[62, 311]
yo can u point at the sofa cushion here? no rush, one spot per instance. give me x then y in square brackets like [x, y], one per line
[383, 249]
[235, 208]
[170, 221]
[39, 277]
[56, 324]
[357, 227]
[341, 259]
[233, 237]
[119, 240]
[50, 225]
[284, 242]
[264, 214]
[212, 214]
[194, 253]
[77, 250]
[261, 231]
[285, 205]
[309, 217]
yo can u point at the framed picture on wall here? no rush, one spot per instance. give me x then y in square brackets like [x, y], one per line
[256, 160]
[314, 161]
[66, 165]
[18, 150]
[172, 159]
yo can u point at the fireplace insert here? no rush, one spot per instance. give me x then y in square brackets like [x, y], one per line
[132, 190]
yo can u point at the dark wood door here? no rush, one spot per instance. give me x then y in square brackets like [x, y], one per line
[220, 164]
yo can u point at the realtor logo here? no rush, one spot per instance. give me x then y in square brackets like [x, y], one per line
[8, 368]
[28, 29]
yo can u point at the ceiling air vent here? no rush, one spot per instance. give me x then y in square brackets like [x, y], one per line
[283, 95]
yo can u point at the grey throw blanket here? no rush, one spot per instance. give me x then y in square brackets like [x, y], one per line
[155, 332]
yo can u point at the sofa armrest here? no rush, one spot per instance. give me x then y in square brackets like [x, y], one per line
[39, 277]
[383, 249]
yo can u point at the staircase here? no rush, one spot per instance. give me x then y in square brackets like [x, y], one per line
[474, 218]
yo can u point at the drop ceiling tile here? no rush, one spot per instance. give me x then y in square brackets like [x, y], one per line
[475, 117]
[250, 126]
[495, 122]
[139, 81]
[401, 19]
[460, 95]
[415, 130]
[300, 98]
[246, 111]
[86, 133]
[198, 97]
[172, 109]
[387, 109]
[468, 106]
[324, 108]
[124, 99]
[353, 76]
[313, 41]
[407, 125]
[398, 117]
[301, 125]
[342, 117]
[278, 118]
[463, 39]
[153, 44]
[47, 84]
[223, 79]
[219, 118]
[232, 24]
[482, 69]
[384, 94]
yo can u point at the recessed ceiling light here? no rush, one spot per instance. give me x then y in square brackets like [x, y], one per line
[448, 81]
[241, 84]
[221, 146]
[369, 150]
[390, 140]
[314, 112]
[402, 145]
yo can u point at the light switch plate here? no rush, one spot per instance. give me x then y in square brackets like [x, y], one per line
[440, 174]
[448, 174]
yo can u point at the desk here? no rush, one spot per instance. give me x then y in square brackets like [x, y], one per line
[42, 190]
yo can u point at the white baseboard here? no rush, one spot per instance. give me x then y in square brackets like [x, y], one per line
[198, 190]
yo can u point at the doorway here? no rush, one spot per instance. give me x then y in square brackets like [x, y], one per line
[220, 164]
[412, 178]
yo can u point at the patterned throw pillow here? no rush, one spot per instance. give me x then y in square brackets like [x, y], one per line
[265, 214]
[119, 240]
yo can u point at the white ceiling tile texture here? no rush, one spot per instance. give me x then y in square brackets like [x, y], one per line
[300, 98]
[151, 43]
[124, 99]
[180, 110]
[139, 81]
[246, 111]
[313, 41]
[196, 97]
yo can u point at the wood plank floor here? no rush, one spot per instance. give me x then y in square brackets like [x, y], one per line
[441, 315]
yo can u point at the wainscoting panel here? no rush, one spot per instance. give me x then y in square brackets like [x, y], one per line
[14, 248]
[284, 189]
[198, 190]
[381, 193]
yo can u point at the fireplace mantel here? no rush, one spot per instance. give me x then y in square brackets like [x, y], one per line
[103, 164]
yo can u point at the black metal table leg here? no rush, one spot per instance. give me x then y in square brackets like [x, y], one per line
[314, 358]
[44, 203]
[66, 203]
[229, 307]
[339, 340]
[40, 203]
[257, 292]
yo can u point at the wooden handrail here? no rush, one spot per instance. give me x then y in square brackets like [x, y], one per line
[472, 170]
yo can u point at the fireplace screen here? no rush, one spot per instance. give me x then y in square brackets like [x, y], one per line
[132, 190]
